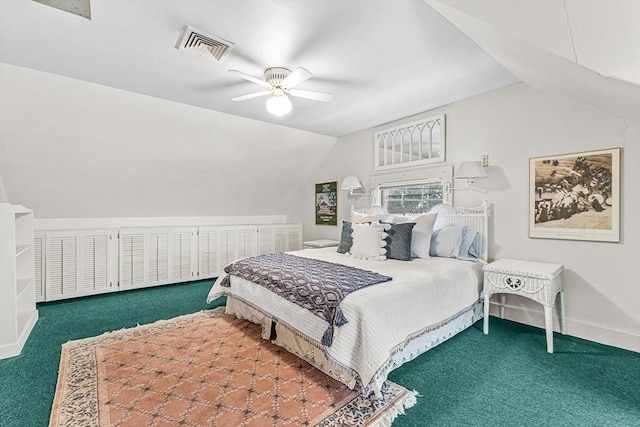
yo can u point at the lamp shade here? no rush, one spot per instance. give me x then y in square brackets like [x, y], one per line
[279, 104]
[351, 183]
[471, 170]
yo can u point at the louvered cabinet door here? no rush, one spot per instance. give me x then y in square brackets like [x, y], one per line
[157, 257]
[280, 238]
[208, 253]
[266, 239]
[97, 254]
[39, 246]
[227, 245]
[294, 237]
[247, 241]
[184, 256]
[132, 259]
[61, 273]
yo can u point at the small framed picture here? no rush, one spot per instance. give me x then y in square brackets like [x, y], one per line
[326, 201]
[575, 196]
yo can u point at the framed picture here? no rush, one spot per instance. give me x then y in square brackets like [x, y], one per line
[327, 203]
[575, 196]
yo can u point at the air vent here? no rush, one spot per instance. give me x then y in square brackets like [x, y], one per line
[204, 45]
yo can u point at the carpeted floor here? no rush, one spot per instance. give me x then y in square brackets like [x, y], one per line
[503, 379]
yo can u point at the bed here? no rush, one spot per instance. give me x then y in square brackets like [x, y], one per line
[427, 301]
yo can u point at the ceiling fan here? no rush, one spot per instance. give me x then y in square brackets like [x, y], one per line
[279, 82]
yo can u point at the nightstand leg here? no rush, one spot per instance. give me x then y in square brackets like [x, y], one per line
[548, 324]
[563, 322]
[485, 322]
[503, 301]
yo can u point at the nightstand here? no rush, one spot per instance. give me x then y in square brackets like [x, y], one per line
[538, 281]
[322, 243]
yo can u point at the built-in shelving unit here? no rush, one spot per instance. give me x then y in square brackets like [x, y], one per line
[76, 263]
[18, 312]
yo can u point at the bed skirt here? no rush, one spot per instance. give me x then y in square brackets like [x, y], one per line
[315, 353]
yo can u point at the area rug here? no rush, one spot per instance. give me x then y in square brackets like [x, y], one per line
[205, 369]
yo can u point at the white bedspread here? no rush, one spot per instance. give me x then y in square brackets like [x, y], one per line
[383, 317]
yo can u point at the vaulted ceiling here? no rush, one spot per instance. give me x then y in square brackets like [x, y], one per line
[382, 60]
[105, 117]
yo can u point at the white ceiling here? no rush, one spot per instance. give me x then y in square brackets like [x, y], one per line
[382, 60]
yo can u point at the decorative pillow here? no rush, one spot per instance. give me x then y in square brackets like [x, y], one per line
[360, 217]
[443, 210]
[447, 241]
[346, 241]
[369, 241]
[421, 234]
[399, 241]
[467, 249]
[397, 219]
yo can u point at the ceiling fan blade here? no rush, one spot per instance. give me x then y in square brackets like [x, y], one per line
[298, 76]
[316, 96]
[251, 95]
[250, 78]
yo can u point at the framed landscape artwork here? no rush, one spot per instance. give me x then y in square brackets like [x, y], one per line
[326, 200]
[575, 196]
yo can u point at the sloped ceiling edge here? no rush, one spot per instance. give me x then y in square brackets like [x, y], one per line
[546, 70]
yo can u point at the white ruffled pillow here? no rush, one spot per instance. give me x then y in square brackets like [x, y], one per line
[369, 241]
[359, 217]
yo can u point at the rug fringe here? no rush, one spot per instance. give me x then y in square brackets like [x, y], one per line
[160, 322]
[397, 409]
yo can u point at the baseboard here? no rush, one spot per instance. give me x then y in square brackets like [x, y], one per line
[15, 348]
[577, 328]
[50, 224]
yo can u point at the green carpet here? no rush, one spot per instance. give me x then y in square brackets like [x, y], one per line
[503, 379]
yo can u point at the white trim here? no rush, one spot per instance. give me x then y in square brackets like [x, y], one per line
[602, 334]
[445, 173]
[50, 224]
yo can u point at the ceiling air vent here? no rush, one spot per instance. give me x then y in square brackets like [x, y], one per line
[204, 45]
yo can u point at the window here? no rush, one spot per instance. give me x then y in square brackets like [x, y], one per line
[411, 197]
[417, 143]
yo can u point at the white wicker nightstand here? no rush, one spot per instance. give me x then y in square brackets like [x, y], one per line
[538, 281]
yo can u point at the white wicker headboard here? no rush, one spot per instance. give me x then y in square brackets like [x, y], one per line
[476, 218]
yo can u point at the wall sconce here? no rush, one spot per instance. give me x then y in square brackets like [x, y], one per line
[353, 184]
[468, 171]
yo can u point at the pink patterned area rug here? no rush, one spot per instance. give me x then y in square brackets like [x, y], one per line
[205, 369]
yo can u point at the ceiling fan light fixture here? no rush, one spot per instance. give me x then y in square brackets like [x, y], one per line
[279, 104]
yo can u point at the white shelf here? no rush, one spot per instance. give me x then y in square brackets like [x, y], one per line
[21, 249]
[18, 312]
[22, 285]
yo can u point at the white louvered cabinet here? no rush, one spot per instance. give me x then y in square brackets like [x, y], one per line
[208, 254]
[279, 238]
[75, 263]
[184, 256]
[18, 313]
[294, 237]
[157, 256]
[144, 257]
[219, 246]
[79, 263]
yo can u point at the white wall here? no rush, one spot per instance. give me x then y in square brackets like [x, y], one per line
[72, 149]
[3, 192]
[511, 125]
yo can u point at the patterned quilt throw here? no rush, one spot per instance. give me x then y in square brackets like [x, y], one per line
[318, 286]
